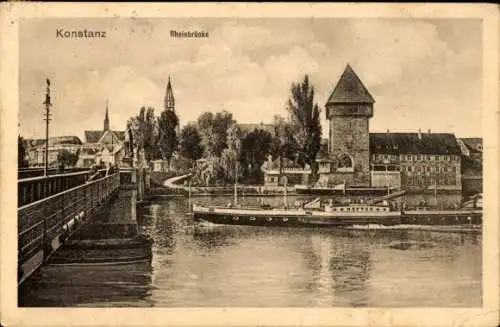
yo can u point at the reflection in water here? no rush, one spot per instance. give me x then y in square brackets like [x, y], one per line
[350, 269]
[209, 238]
[224, 266]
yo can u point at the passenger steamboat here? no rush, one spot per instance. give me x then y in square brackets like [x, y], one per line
[330, 215]
[335, 216]
[317, 213]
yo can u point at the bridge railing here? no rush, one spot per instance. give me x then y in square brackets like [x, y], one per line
[38, 172]
[37, 188]
[41, 224]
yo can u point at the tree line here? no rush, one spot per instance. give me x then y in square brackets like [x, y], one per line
[230, 154]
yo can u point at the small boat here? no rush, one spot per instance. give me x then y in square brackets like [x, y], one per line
[329, 215]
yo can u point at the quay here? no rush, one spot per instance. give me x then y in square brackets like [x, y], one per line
[80, 217]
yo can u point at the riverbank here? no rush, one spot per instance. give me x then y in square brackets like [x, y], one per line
[173, 187]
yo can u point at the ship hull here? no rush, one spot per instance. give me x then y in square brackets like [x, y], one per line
[290, 218]
[248, 220]
[311, 218]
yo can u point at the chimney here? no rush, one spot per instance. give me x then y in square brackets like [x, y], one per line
[388, 131]
[429, 131]
[419, 133]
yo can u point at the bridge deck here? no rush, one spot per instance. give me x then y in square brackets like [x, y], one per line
[45, 223]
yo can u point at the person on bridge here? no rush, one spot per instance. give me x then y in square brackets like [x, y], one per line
[61, 167]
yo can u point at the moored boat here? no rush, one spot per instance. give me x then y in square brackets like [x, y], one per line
[329, 215]
[334, 216]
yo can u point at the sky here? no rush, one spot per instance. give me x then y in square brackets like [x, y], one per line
[423, 74]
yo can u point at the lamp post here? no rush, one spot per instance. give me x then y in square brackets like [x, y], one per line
[47, 115]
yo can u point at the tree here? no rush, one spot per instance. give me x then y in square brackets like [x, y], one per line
[211, 172]
[254, 148]
[190, 142]
[144, 133]
[213, 129]
[67, 158]
[167, 125]
[137, 125]
[22, 162]
[305, 122]
[232, 154]
[283, 145]
[150, 134]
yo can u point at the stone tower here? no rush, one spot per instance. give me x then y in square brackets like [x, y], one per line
[349, 109]
[106, 118]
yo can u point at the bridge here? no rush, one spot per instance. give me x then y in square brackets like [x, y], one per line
[52, 208]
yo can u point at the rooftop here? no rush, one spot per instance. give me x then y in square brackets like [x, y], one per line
[350, 89]
[414, 143]
[94, 136]
[55, 140]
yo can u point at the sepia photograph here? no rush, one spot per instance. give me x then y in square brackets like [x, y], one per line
[252, 162]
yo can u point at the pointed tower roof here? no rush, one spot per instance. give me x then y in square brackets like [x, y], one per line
[350, 89]
[169, 97]
[169, 85]
[106, 117]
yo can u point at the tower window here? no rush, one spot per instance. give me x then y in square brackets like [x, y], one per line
[345, 162]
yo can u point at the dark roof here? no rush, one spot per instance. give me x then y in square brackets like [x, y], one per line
[65, 140]
[350, 89]
[31, 143]
[248, 128]
[94, 136]
[55, 140]
[410, 143]
[473, 143]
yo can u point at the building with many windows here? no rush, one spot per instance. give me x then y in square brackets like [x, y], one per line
[35, 149]
[419, 161]
[357, 157]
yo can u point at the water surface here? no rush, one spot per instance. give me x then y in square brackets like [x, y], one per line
[242, 266]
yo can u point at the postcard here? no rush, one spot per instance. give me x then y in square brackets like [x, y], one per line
[255, 164]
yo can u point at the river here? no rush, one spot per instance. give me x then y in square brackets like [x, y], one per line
[223, 266]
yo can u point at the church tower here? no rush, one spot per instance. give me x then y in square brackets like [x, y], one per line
[170, 103]
[349, 109]
[169, 97]
[106, 118]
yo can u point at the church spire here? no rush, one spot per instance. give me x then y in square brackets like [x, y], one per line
[106, 118]
[169, 97]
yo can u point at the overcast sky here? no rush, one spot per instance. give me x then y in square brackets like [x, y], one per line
[422, 73]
